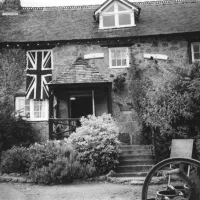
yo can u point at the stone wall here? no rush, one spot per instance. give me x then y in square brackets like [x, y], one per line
[123, 102]
[41, 130]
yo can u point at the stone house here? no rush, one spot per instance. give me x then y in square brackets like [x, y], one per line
[76, 55]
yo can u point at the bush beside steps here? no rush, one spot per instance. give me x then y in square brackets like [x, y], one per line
[91, 151]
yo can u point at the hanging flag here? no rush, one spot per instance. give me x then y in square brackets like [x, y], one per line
[39, 73]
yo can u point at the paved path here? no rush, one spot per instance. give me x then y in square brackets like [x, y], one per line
[82, 191]
[7, 192]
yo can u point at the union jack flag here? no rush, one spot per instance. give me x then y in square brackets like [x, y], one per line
[39, 73]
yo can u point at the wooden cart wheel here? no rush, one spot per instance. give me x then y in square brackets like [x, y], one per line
[194, 188]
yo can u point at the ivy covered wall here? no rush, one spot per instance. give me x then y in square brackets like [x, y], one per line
[11, 5]
[126, 98]
[127, 82]
[12, 76]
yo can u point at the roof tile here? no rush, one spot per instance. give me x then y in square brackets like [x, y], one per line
[80, 72]
[78, 23]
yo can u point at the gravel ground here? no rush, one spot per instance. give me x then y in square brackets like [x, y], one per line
[81, 191]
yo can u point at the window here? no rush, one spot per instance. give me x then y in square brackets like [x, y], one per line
[33, 110]
[119, 57]
[195, 51]
[117, 15]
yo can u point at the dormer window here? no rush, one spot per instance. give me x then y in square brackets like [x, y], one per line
[116, 14]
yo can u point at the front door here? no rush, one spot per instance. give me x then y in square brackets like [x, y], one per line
[81, 104]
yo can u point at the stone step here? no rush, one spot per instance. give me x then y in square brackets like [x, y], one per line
[134, 161]
[135, 147]
[136, 152]
[131, 174]
[137, 162]
[133, 168]
[134, 157]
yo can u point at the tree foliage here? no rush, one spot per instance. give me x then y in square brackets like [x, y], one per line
[11, 5]
[172, 109]
[13, 131]
[12, 76]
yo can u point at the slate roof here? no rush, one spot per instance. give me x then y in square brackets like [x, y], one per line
[80, 72]
[78, 23]
[128, 2]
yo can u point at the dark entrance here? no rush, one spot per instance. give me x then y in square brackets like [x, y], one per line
[81, 105]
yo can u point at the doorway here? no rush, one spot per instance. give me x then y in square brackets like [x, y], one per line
[81, 104]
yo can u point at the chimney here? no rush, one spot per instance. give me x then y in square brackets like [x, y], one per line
[11, 7]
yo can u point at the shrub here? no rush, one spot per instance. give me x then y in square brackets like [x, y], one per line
[63, 170]
[14, 131]
[44, 154]
[15, 160]
[97, 142]
[51, 162]
[22, 159]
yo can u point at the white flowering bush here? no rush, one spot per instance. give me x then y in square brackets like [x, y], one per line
[97, 142]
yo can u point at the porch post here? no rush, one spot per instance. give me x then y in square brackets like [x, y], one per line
[50, 113]
[110, 98]
[93, 103]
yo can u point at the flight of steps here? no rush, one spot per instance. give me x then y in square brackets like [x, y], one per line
[134, 161]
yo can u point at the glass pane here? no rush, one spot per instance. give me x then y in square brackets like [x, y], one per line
[42, 106]
[21, 104]
[123, 53]
[111, 9]
[36, 106]
[42, 115]
[112, 54]
[109, 21]
[36, 115]
[196, 48]
[124, 19]
[27, 102]
[118, 53]
[196, 56]
[21, 108]
[121, 8]
[27, 108]
[124, 62]
[113, 62]
[119, 62]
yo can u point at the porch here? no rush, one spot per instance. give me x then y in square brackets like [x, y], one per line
[81, 91]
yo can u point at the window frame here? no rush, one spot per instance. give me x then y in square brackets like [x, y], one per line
[31, 103]
[127, 57]
[116, 14]
[192, 51]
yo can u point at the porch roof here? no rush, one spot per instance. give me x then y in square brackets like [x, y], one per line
[80, 72]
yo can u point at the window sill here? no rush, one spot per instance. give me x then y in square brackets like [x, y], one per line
[38, 120]
[116, 27]
[122, 67]
[35, 120]
[195, 61]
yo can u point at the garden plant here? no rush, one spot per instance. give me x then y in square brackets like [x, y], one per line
[88, 152]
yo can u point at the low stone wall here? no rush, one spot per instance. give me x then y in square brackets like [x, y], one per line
[41, 130]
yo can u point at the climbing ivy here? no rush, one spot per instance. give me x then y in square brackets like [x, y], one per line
[12, 76]
[11, 5]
